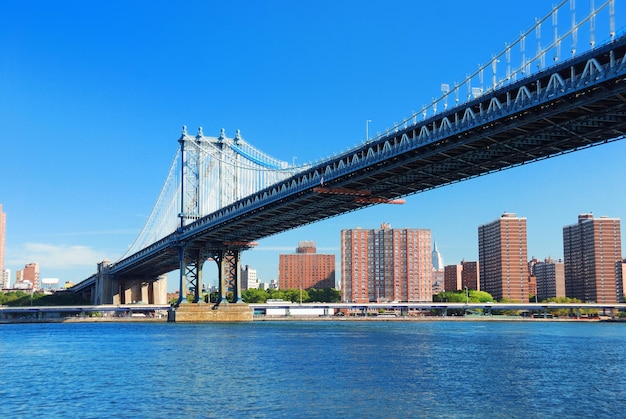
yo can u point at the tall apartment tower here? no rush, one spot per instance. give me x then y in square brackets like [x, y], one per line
[306, 269]
[502, 258]
[386, 265]
[592, 248]
[550, 277]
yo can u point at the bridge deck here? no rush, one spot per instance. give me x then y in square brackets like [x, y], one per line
[571, 106]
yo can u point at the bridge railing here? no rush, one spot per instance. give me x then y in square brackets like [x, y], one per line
[519, 62]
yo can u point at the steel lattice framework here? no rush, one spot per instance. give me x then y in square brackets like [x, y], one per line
[208, 173]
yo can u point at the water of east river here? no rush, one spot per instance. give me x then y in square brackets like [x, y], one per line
[328, 369]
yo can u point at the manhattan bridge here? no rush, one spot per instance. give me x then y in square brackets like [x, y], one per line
[554, 90]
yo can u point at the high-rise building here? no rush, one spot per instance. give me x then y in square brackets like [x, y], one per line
[386, 265]
[592, 249]
[306, 268]
[550, 277]
[437, 259]
[502, 258]
[438, 271]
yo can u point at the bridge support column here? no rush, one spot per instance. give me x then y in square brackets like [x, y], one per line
[227, 256]
[190, 265]
[104, 287]
[228, 267]
[157, 290]
[149, 290]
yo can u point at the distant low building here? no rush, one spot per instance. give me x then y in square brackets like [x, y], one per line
[29, 274]
[5, 279]
[249, 278]
[306, 268]
[550, 277]
[457, 277]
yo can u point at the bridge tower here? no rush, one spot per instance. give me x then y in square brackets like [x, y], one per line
[191, 259]
[210, 169]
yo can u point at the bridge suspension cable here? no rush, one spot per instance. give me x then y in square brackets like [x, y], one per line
[206, 174]
[523, 64]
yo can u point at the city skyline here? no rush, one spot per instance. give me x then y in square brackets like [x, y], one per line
[93, 115]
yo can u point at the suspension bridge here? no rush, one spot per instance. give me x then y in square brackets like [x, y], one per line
[222, 194]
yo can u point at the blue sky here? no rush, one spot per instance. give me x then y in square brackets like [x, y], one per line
[93, 96]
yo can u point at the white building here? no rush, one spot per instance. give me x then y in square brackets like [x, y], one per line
[249, 279]
[5, 279]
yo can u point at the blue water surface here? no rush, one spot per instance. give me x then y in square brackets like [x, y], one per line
[327, 369]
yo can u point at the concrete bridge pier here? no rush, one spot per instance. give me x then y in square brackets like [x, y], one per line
[227, 256]
[110, 289]
[146, 290]
[102, 292]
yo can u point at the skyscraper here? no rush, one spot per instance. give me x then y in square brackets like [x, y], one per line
[592, 249]
[386, 265]
[306, 269]
[502, 258]
[438, 271]
[437, 259]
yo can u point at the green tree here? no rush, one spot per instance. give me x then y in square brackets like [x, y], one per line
[332, 295]
[275, 294]
[480, 297]
[23, 299]
[254, 295]
[296, 295]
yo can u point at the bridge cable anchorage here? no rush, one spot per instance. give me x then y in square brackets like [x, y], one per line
[362, 196]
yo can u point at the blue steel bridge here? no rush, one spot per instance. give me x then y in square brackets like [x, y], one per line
[221, 194]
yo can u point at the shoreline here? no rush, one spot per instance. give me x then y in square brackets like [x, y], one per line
[496, 318]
